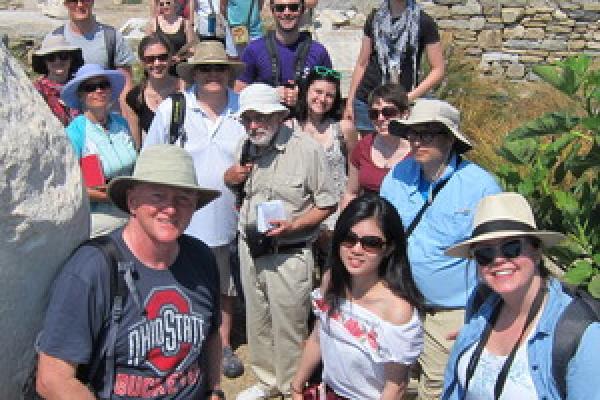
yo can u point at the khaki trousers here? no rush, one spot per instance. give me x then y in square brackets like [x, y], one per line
[436, 351]
[277, 293]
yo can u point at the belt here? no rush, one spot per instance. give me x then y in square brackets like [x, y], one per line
[432, 309]
[290, 247]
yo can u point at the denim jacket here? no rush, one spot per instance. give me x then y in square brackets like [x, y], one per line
[583, 369]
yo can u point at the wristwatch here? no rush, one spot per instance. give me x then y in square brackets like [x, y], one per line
[216, 392]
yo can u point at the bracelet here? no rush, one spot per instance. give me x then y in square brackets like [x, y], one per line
[295, 390]
[216, 392]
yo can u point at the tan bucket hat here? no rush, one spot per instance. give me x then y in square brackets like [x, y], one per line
[161, 164]
[426, 111]
[208, 52]
[54, 44]
[503, 215]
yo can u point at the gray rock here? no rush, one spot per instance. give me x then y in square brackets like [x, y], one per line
[44, 215]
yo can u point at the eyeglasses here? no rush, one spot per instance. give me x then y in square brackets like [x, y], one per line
[485, 255]
[387, 112]
[248, 118]
[89, 87]
[59, 55]
[164, 57]
[293, 7]
[371, 244]
[211, 68]
[164, 4]
[325, 72]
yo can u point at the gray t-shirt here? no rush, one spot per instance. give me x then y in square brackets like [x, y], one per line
[159, 351]
[94, 49]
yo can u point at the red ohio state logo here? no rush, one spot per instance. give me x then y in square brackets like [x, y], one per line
[168, 333]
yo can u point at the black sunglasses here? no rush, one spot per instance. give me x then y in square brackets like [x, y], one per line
[164, 3]
[387, 112]
[485, 255]
[90, 87]
[371, 244]
[211, 67]
[59, 55]
[164, 57]
[293, 7]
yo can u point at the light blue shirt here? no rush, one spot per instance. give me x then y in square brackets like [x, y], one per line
[212, 145]
[582, 372]
[444, 281]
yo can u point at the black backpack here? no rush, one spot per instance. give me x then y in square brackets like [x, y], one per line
[110, 41]
[299, 62]
[579, 314]
[104, 349]
[176, 129]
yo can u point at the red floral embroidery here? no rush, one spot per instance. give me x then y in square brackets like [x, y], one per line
[372, 338]
[354, 328]
[322, 305]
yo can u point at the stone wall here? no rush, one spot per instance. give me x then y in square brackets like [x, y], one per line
[507, 37]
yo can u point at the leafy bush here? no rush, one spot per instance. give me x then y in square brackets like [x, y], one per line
[554, 159]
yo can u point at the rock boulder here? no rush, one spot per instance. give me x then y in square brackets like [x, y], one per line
[44, 215]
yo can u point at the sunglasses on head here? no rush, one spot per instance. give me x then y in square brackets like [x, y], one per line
[164, 57]
[89, 87]
[370, 244]
[59, 55]
[211, 68]
[387, 112]
[325, 72]
[485, 255]
[293, 7]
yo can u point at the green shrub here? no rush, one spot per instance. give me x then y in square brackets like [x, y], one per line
[554, 159]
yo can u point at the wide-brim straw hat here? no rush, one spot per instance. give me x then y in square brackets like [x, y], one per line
[501, 216]
[54, 44]
[69, 93]
[161, 164]
[261, 98]
[208, 52]
[426, 111]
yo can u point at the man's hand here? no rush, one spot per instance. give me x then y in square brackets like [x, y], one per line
[281, 226]
[237, 174]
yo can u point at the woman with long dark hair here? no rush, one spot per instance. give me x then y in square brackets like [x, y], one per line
[368, 331]
[155, 53]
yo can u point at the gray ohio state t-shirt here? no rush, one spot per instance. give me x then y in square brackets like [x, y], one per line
[160, 349]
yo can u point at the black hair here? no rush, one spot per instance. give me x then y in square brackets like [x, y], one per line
[301, 111]
[147, 41]
[392, 93]
[394, 268]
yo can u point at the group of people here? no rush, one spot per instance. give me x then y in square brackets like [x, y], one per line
[213, 161]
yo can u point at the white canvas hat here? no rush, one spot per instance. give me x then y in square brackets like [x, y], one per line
[503, 215]
[261, 98]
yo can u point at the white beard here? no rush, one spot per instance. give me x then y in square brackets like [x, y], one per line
[263, 140]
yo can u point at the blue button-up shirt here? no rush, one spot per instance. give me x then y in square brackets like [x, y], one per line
[212, 145]
[444, 281]
[583, 369]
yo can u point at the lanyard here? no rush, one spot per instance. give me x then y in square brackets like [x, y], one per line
[501, 379]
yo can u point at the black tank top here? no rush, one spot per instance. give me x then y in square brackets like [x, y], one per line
[177, 39]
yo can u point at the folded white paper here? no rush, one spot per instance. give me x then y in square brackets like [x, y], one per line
[268, 211]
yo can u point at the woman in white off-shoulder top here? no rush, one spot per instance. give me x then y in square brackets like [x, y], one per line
[368, 332]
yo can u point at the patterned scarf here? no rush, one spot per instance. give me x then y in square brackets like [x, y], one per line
[393, 38]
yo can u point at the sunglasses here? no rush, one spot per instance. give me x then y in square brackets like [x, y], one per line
[59, 55]
[387, 112]
[164, 4]
[164, 57]
[422, 137]
[78, 1]
[89, 87]
[211, 68]
[370, 244]
[325, 72]
[293, 7]
[485, 255]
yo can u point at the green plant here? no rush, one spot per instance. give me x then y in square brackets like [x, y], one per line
[554, 160]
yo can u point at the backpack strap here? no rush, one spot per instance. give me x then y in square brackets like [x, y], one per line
[274, 55]
[110, 42]
[301, 54]
[176, 129]
[575, 319]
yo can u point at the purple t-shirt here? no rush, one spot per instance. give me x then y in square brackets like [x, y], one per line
[258, 61]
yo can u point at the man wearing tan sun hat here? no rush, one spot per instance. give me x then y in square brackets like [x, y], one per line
[435, 191]
[210, 132]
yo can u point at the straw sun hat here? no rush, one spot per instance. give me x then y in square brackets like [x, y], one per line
[500, 216]
[426, 111]
[161, 164]
[54, 44]
[207, 52]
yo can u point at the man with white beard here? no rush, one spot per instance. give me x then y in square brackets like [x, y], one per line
[287, 194]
